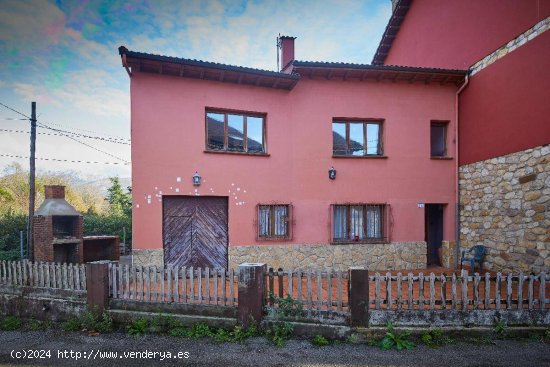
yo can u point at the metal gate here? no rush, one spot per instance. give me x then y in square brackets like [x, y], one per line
[195, 231]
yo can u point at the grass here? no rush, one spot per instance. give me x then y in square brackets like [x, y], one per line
[434, 338]
[10, 323]
[138, 327]
[319, 341]
[395, 340]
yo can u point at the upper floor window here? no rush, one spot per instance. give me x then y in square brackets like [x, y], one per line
[235, 132]
[356, 138]
[438, 139]
[359, 223]
[274, 221]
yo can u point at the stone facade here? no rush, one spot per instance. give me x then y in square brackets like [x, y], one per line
[505, 205]
[389, 256]
[448, 254]
[142, 257]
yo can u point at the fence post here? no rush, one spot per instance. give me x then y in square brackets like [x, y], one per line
[97, 284]
[251, 293]
[358, 292]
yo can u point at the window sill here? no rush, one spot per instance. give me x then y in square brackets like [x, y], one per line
[361, 156]
[381, 241]
[441, 158]
[268, 239]
[236, 153]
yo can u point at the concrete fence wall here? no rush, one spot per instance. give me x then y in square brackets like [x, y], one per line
[367, 299]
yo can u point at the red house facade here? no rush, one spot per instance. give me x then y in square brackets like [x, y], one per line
[320, 165]
[503, 115]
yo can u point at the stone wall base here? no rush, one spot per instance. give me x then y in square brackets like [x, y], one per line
[448, 254]
[141, 257]
[388, 256]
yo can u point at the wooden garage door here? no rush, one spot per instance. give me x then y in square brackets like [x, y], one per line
[195, 231]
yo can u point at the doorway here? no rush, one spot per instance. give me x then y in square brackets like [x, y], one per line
[195, 231]
[433, 232]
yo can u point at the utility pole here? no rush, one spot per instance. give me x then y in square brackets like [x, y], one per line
[30, 239]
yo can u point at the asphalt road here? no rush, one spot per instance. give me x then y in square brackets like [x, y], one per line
[54, 349]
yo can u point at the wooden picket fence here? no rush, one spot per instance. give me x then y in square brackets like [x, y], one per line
[314, 290]
[43, 275]
[174, 284]
[459, 292]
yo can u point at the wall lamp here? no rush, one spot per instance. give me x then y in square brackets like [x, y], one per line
[197, 179]
[332, 173]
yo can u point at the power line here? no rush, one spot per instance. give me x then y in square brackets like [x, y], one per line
[14, 110]
[112, 140]
[63, 160]
[12, 119]
[70, 137]
[44, 125]
[89, 131]
[52, 134]
[88, 145]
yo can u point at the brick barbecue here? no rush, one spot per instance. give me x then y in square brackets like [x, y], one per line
[57, 229]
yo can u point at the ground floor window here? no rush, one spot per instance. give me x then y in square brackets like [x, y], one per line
[358, 223]
[274, 221]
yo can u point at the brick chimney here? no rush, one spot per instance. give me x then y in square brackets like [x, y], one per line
[287, 52]
[54, 192]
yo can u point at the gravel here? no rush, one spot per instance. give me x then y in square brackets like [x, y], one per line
[253, 352]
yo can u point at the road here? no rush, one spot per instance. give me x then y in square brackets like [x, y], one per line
[55, 348]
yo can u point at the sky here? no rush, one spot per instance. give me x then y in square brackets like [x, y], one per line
[64, 56]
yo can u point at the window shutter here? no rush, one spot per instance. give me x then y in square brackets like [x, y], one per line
[387, 223]
[290, 221]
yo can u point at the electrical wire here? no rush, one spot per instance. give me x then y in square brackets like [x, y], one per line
[68, 136]
[114, 137]
[52, 134]
[62, 160]
[86, 144]
[14, 110]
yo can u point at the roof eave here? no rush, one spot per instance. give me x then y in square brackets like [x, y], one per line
[143, 62]
[392, 28]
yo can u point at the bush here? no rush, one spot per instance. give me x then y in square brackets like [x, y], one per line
[397, 340]
[94, 321]
[138, 327]
[10, 323]
[180, 332]
[98, 224]
[287, 307]
[279, 333]
[201, 330]
[72, 325]
[10, 226]
[320, 341]
[434, 338]
[36, 325]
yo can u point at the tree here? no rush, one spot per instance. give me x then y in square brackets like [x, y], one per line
[120, 202]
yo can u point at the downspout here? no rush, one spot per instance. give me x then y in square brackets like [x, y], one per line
[457, 167]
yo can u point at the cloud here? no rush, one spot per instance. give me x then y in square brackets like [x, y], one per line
[88, 90]
[330, 30]
[32, 25]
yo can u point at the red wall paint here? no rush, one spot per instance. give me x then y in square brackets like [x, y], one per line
[168, 141]
[506, 108]
[458, 33]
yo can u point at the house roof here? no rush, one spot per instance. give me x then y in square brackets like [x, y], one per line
[167, 65]
[400, 10]
[350, 71]
[175, 66]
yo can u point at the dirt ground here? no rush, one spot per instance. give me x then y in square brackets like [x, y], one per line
[152, 350]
